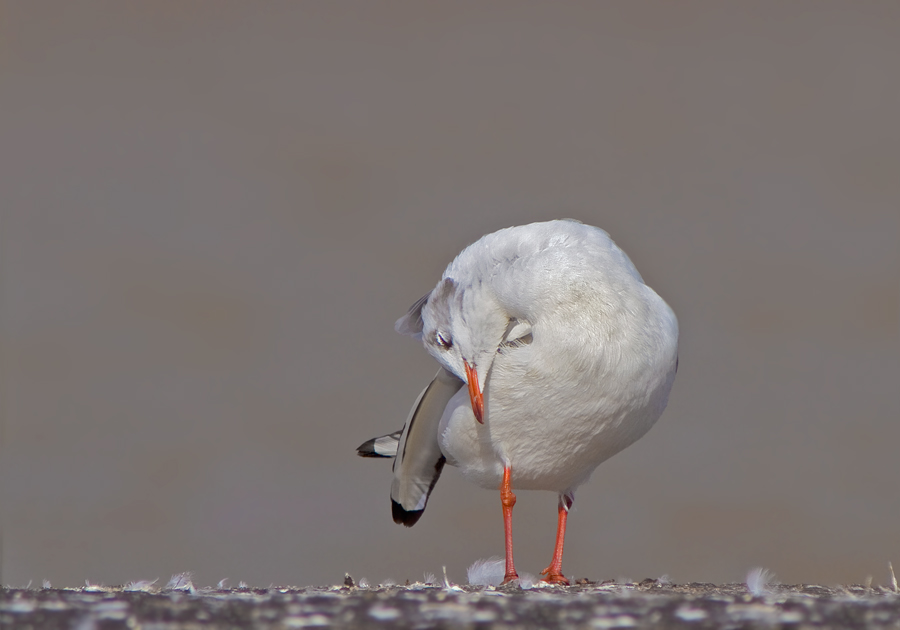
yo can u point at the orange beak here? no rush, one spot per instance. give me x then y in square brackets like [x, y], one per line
[474, 392]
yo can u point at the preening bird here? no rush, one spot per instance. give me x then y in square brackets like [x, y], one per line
[554, 356]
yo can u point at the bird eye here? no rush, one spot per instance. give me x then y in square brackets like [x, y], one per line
[443, 342]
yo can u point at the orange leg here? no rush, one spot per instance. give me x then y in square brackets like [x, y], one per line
[554, 571]
[508, 499]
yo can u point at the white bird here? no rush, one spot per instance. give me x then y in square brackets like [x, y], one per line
[568, 358]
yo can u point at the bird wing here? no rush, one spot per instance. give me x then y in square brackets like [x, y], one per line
[382, 446]
[419, 459]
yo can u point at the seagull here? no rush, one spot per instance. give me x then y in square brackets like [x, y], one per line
[554, 356]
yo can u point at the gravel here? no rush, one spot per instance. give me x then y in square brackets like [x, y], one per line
[585, 605]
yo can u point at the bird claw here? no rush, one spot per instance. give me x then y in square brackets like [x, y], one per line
[509, 577]
[553, 576]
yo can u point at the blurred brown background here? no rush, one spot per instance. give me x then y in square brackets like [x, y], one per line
[212, 214]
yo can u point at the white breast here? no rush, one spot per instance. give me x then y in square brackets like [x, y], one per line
[595, 377]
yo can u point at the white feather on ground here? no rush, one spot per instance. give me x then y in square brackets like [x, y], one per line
[527, 581]
[486, 572]
[490, 572]
[180, 582]
[759, 581]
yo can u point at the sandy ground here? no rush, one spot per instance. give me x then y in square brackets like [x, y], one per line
[585, 605]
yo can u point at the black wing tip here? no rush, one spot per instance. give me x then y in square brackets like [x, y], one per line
[367, 449]
[405, 517]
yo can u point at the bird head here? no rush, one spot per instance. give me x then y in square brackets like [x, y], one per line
[462, 326]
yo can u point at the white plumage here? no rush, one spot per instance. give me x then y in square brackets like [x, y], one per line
[567, 357]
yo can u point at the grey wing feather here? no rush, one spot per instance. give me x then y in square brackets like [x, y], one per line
[419, 459]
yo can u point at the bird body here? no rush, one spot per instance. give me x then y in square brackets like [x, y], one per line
[594, 375]
[554, 356]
